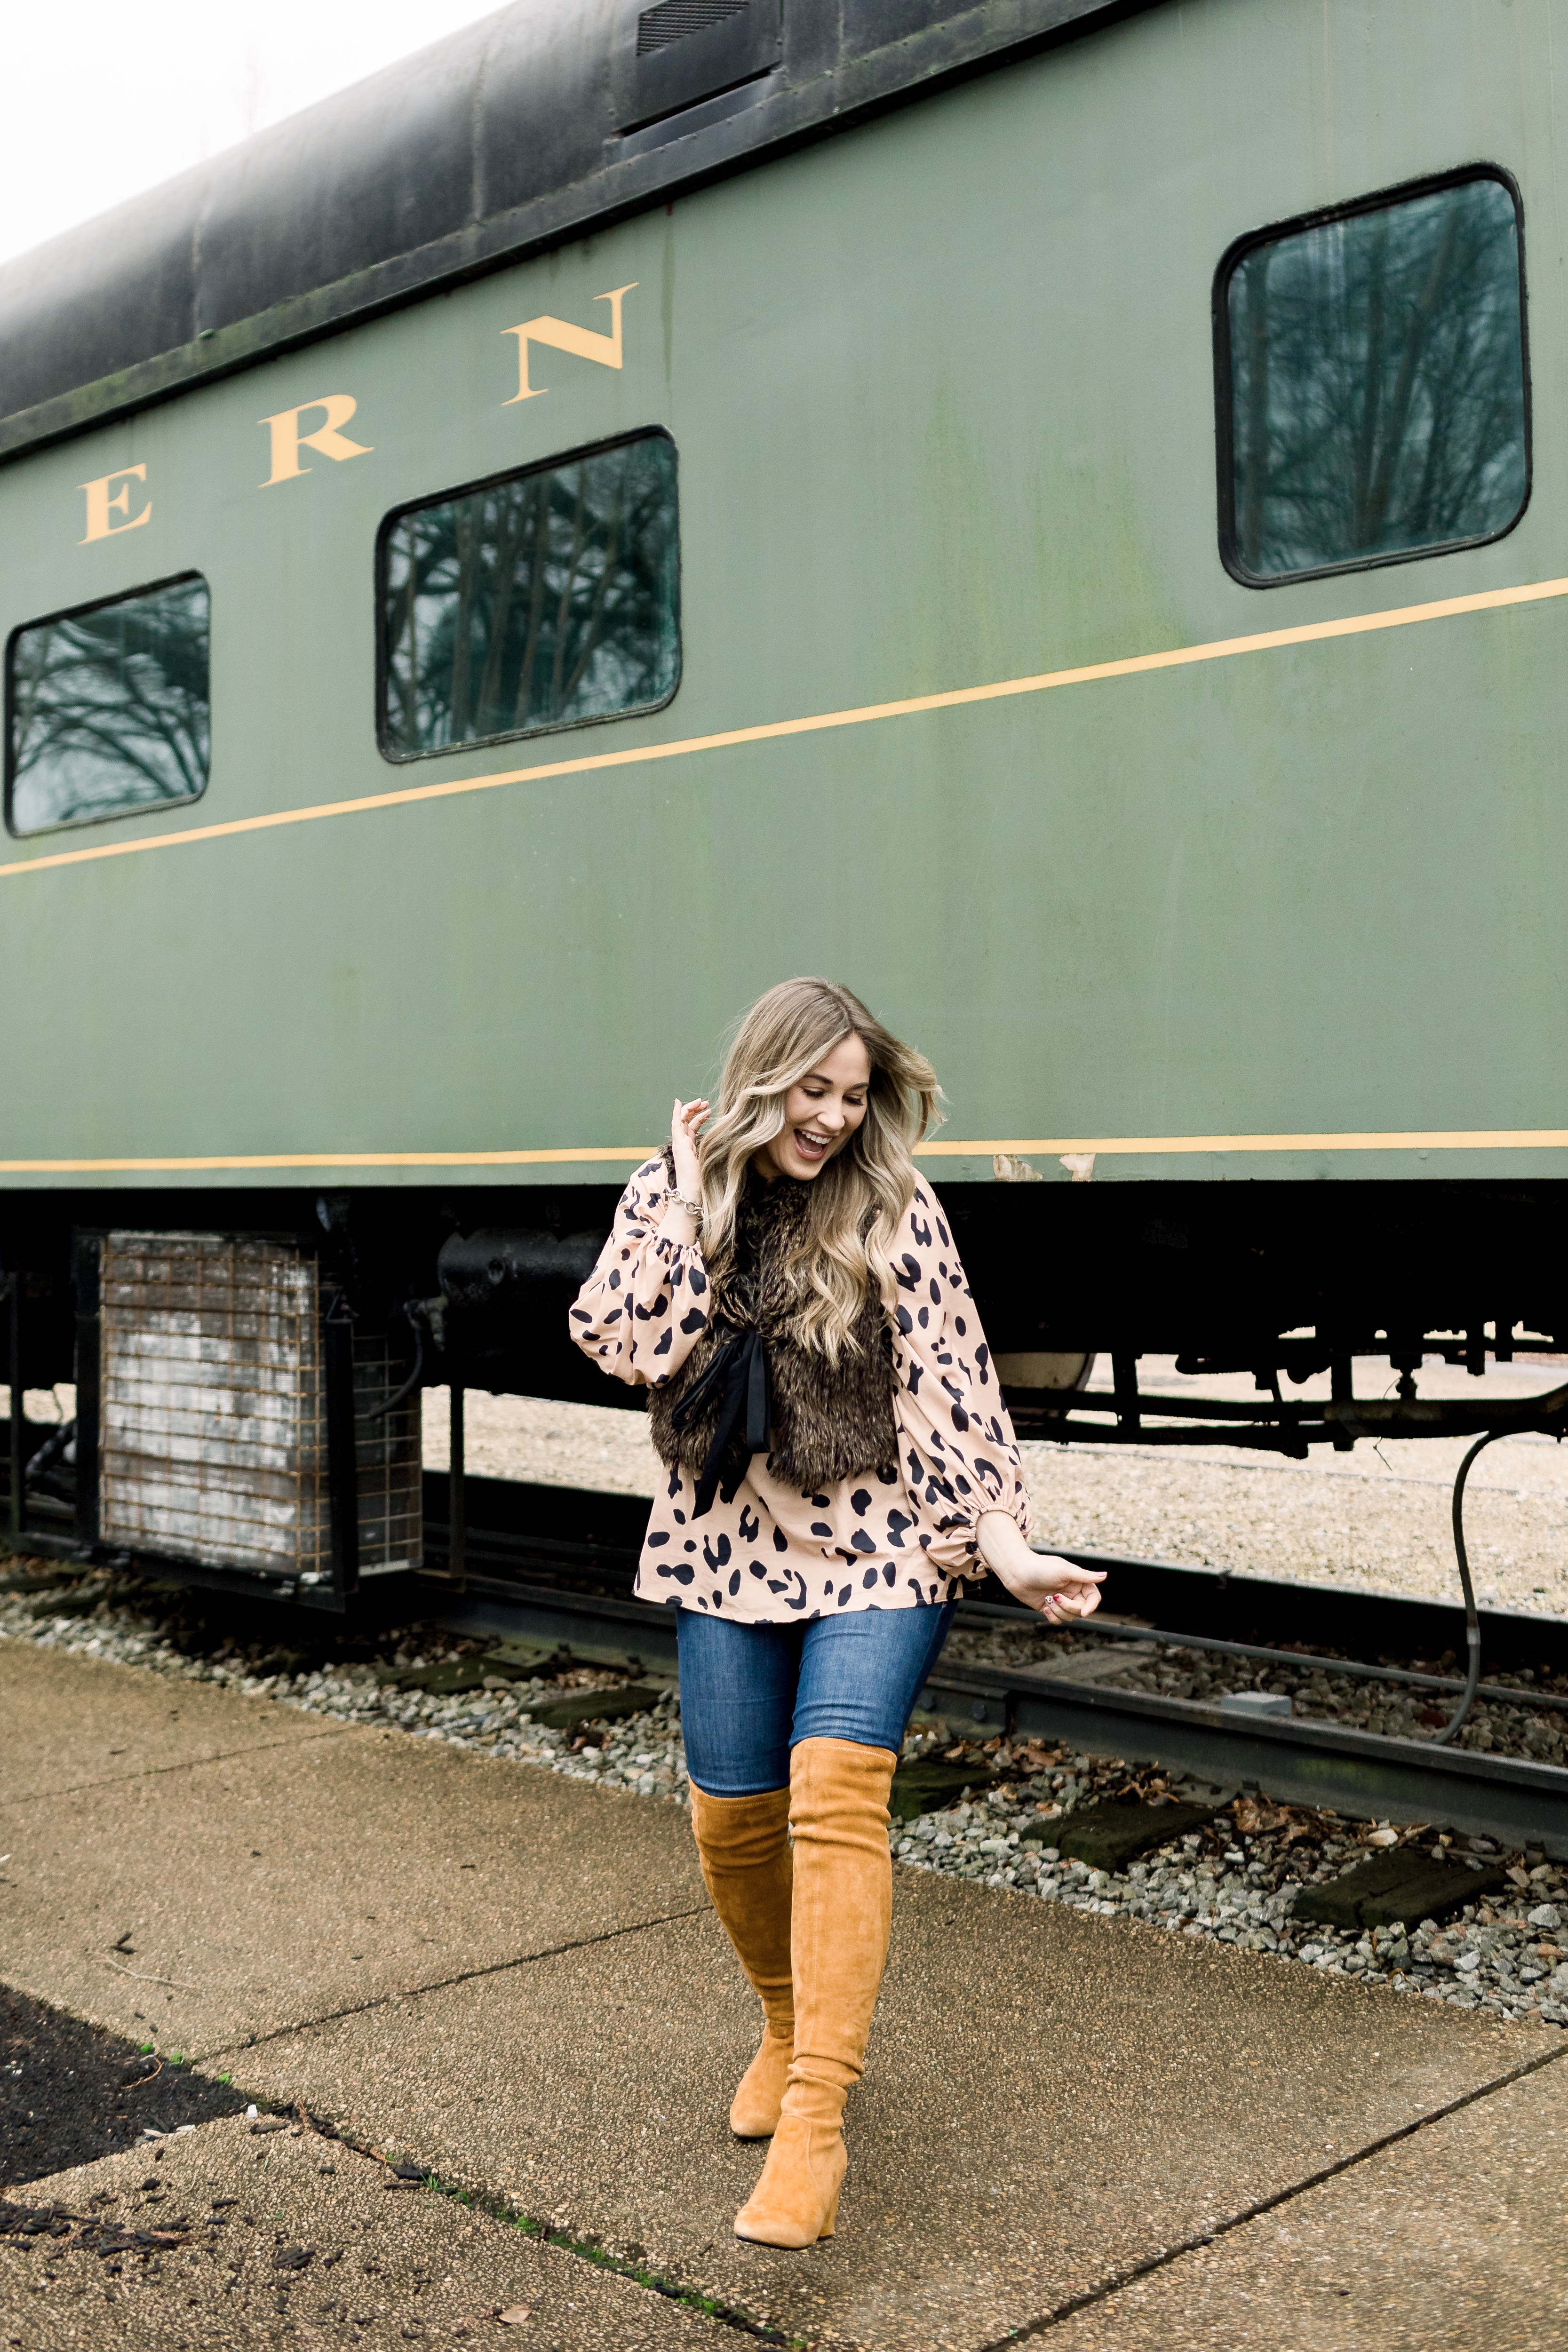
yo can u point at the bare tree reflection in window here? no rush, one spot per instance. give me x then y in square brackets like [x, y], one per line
[539, 601]
[1377, 379]
[109, 708]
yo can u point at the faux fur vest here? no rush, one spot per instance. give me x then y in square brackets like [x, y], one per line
[824, 1421]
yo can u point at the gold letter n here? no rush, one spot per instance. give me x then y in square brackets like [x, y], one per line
[604, 351]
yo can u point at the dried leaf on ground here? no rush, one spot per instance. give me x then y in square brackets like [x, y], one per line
[1256, 1817]
[1256, 1814]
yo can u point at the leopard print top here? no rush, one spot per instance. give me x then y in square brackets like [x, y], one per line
[897, 1538]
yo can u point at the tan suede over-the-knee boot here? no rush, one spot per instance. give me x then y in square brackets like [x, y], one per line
[742, 1843]
[843, 1904]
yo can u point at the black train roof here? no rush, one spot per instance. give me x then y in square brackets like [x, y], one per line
[533, 125]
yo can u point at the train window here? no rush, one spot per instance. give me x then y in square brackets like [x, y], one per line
[107, 707]
[1373, 393]
[548, 598]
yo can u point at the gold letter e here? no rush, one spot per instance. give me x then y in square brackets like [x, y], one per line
[110, 496]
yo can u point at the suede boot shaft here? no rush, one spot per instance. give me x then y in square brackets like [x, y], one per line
[843, 1908]
[742, 1843]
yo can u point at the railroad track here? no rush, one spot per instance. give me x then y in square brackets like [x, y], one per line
[560, 1564]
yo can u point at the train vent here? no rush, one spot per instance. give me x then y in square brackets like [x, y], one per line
[213, 1431]
[692, 52]
[674, 20]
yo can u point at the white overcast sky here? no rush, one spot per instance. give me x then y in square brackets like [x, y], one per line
[102, 101]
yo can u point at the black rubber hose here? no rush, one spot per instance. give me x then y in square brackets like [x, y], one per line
[380, 1411]
[1472, 1616]
[52, 1449]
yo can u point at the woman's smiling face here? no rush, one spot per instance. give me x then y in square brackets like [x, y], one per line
[822, 1111]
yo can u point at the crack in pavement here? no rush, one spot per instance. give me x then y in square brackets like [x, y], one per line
[689, 2292]
[84, 2227]
[236, 2050]
[1136, 2271]
[182, 1764]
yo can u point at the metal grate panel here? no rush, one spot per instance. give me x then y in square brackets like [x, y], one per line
[674, 20]
[389, 1458]
[213, 1435]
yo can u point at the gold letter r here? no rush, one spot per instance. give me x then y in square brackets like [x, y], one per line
[328, 438]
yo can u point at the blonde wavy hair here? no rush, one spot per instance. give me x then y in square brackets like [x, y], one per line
[858, 1201]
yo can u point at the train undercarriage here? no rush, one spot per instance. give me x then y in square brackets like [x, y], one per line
[247, 1366]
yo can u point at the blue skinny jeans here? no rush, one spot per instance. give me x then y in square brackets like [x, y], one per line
[749, 1693]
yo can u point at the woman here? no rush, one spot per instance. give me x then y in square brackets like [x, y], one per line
[840, 1460]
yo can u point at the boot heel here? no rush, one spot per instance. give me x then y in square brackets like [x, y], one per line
[830, 2221]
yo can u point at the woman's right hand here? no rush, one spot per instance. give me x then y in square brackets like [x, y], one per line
[683, 1125]
[1058, 1588]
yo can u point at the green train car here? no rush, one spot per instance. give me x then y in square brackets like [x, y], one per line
[1056, 513]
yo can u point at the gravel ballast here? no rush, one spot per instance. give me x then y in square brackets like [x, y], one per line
[1235, 1880]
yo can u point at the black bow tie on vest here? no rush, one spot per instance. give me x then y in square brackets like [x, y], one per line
[750, 1384]
[737, 1375]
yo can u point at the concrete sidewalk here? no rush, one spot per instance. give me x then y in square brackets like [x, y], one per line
[1450, 2240]
[294, 2239]
[514, 1981]
[266, 1868]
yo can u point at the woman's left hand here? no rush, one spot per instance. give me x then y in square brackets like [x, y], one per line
[686, 1119]
[1058, 1588]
